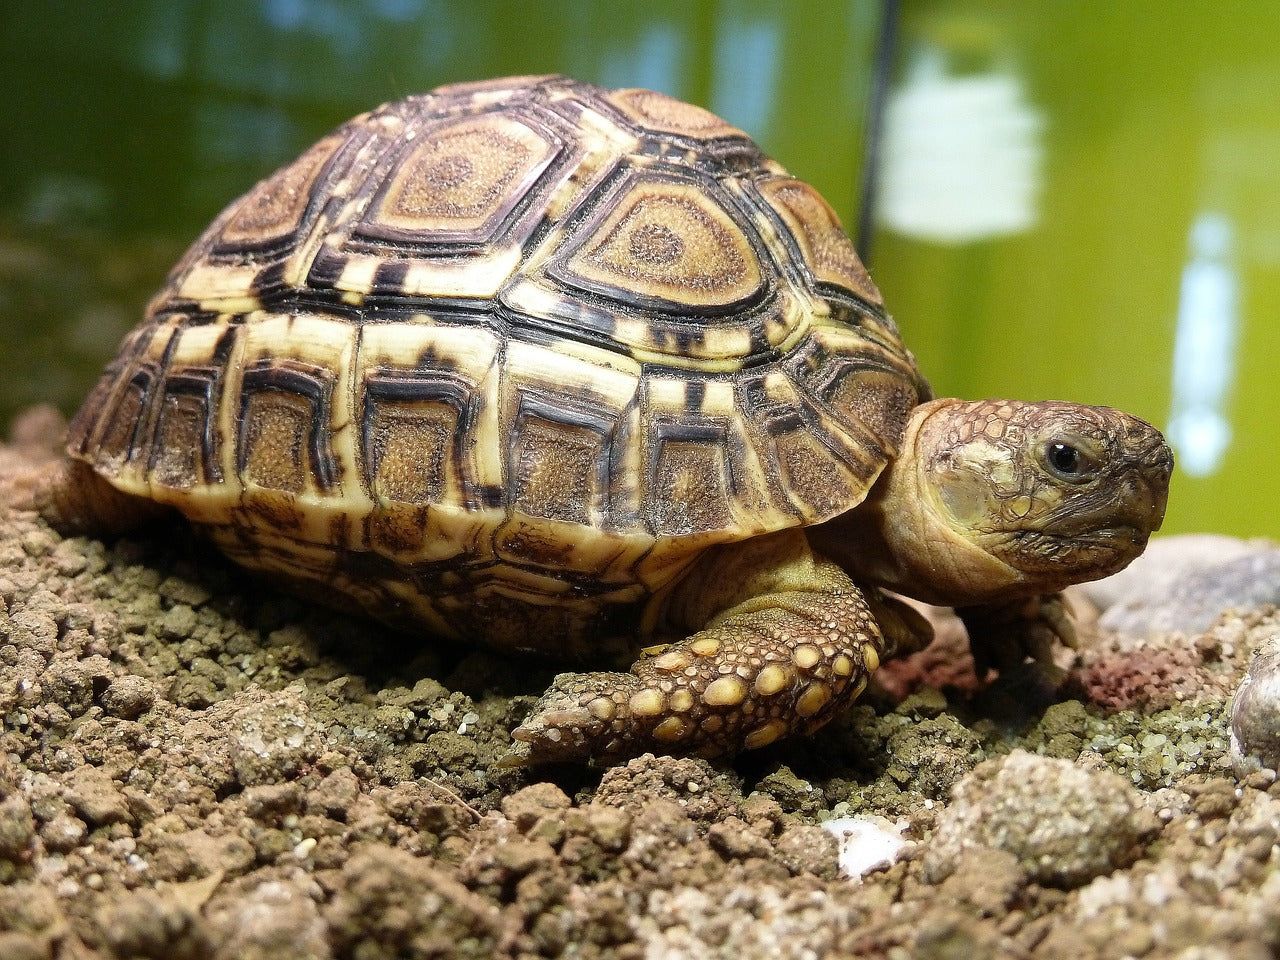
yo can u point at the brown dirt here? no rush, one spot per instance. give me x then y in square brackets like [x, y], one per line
[193, 765]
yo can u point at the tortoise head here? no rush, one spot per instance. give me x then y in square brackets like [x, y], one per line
[994, 499]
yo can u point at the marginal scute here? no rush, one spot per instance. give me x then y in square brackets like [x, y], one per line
[821, 238]
[688, 487]
[179, 451]
[669, 243]
[116, 441]
[409, 449]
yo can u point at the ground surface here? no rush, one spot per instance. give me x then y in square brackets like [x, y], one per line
[195, 766]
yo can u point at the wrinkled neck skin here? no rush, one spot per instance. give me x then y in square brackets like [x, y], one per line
[898, 539]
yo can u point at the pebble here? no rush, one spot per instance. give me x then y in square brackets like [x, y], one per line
[1064, 824]
[1255, 713]
[128, 697]
[865, 844]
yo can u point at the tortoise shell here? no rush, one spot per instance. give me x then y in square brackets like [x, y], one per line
[527, 342]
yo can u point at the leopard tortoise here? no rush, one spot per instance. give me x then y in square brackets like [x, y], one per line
[579, 371]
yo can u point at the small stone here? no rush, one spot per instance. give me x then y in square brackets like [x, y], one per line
[277, 920]
[23, 946]
[1255, 713]
[526, 807]
[128, 697]
[95, 796]
[63, 833]
[1063, 823]
[17, 828]
[807, 848]
[178, 590]
[178, 622]
[336, 794]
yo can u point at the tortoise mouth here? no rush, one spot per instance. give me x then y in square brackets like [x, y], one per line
[1075, 557]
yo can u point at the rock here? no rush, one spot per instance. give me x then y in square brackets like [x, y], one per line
[706, 793]
[391, 904]
[1165, 562]
[269, 734]
[96, 797]
[128, 697]
[17, 828]
[1063, 823]
[865, 844]
[1255, 713]
[1185, 583]
[932, 755]
[278, 920]
[526, 807]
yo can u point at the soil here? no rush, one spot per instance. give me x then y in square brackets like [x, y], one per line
[194, 765]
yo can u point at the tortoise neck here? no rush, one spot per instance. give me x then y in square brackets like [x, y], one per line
[899, 539]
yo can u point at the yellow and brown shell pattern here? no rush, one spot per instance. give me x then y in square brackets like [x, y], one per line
[502, 359]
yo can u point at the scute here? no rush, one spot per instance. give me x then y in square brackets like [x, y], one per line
[521, 342]
[667, 244]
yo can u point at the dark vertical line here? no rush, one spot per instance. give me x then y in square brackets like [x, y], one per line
[882, 70]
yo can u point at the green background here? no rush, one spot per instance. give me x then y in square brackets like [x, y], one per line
[1077, 200]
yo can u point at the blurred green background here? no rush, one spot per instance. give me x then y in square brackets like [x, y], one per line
[1071, 200]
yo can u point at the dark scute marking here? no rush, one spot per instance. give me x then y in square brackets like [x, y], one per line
[399, 530]
[489, 495]
[690, 483]
[326, 269]
[273, 449]
[560, 457]
[526, 544]
[813, 474]
[694, 393]
[413, 430]
[284, 418]
[119, 438]
[178, 457]
[269, 280]
[389, 278]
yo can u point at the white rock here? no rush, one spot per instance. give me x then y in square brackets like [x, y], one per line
[866, 843]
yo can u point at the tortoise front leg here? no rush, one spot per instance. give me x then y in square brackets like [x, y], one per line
[1016, 638]
[787, 642]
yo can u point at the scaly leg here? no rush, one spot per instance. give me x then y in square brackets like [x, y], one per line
[1016, 638]
[787, 641]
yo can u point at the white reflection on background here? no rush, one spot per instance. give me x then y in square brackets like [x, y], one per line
[962, 152]
[652, 61]
[1204, 347]
[747, 55]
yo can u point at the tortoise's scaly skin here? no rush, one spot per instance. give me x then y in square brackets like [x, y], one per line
[503, 360]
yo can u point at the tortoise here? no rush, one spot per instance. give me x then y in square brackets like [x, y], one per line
[582, 372]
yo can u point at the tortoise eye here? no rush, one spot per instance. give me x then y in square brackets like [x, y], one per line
[1067, 461]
